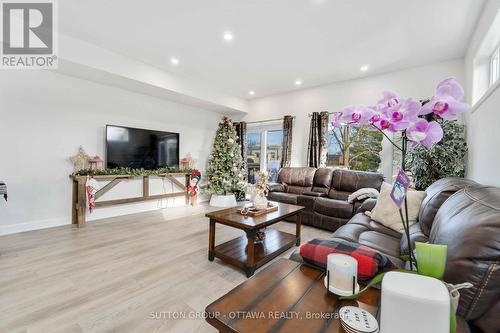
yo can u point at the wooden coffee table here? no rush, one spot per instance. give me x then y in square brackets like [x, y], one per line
[285, 297]
[244, 252]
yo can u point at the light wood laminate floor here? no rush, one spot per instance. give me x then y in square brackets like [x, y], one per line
[132, 273]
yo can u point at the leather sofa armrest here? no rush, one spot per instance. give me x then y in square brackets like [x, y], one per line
[367, 205]
[416, 235]
[306, 201]
[314, 194]
[276, 187]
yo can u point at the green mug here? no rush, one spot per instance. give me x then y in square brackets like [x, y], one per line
[431, 259]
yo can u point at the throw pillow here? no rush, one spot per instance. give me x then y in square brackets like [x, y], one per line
[370, 262]
[362, 194]
[386, 212]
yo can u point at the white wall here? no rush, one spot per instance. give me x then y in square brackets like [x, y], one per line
[483, 122]
[417, 82]
[45, 116]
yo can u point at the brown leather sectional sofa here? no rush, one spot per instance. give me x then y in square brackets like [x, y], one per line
[323, 192]
[458, 213]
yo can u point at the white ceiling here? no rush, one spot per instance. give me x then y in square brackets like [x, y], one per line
[275, 41]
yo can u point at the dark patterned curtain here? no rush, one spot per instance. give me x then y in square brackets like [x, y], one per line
[241, 132]
[318, 140]
[286, 153]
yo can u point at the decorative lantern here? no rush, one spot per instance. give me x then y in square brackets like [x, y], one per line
[184, 163]
[96, 163]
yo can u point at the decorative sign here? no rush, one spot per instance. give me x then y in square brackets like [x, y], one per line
[400, 188]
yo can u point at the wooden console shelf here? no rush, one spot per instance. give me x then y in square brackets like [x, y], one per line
[79, 201]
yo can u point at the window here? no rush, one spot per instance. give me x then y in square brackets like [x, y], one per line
[253, 154]
[355, 148]
[495, 66]
[267, 143]
[336, 138]
[273, 153]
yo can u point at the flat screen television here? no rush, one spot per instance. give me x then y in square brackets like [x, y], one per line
[141, 148]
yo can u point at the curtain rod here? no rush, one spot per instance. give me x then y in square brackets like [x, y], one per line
[310, 114]
[266, 121]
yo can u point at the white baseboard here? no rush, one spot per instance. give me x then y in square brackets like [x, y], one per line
[33, 225]
[59, 221]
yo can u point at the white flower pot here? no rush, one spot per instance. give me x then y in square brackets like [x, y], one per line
[218, 200]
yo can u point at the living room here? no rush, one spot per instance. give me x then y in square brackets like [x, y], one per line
[183, 166]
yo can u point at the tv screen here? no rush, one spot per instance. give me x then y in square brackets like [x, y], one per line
[140, 148]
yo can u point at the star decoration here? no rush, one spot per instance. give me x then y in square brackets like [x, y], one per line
[80, 160]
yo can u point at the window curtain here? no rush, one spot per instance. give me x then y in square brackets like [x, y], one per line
[241, 140]
[286, 153]
[318, 140]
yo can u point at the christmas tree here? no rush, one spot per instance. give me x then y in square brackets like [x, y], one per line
[224, 169]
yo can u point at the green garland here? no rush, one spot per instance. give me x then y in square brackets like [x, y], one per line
[130, 172]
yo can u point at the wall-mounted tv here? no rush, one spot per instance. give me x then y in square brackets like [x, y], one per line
[141, 148]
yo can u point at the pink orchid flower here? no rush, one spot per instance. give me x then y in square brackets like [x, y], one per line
[336, 120]
[446, 103]
[357, 114]
[424, 132]
[390, 99]
[401, 115]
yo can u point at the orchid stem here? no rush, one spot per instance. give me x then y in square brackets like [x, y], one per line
[387, 137]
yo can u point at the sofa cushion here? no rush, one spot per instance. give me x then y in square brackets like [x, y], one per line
[328, 222]
[387, 213]
[297, 177]
[275, 187]
[370, 262]
[331, 207]
[469, 224]
[306, 201]
[288, 198]
[339, 195]
[351, 181]
[322, 180]
[365, 221]
[362, 230]
[297, 189]
[437, 194]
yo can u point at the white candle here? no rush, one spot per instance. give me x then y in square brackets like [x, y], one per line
[343, 270]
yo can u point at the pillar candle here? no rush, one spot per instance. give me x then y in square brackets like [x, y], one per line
[343, 269]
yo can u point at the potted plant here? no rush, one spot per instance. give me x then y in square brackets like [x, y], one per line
[408, 117]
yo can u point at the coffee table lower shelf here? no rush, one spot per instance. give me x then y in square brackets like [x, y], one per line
[235, 251]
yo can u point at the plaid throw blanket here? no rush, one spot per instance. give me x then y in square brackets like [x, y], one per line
[3, 190]
[370, 262]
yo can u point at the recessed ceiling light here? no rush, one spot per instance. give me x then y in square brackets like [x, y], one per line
[228, 36]
[251, 92]
[298, 82]
[174, 61]
[364, 68]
